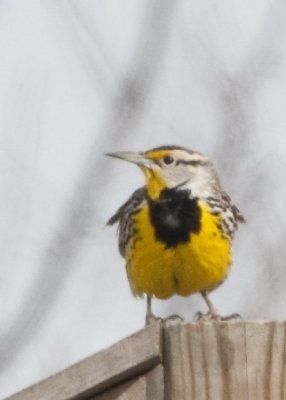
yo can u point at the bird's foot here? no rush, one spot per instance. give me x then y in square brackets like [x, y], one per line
[151, 319]
[215, 316]
[232, 317]
[174, 317]
[200, 317]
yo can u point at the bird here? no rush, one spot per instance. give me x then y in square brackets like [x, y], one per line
[176, 232]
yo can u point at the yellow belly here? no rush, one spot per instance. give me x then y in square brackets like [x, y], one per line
[200, 264]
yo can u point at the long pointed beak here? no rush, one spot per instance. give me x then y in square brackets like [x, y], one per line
[133, 157]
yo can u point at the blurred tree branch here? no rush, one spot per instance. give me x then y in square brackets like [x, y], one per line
[238, 92]
[235, 146]
[124, 112]
[235, 96]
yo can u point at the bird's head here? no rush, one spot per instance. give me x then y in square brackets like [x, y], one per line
[174, 167]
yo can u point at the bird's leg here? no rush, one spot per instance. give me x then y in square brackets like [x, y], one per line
[150, 317]
[213, 312]
[149, 314]
[212, 315]
[149, 307]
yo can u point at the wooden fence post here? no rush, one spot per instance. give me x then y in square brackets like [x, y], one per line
[225, 361]
[179, 361]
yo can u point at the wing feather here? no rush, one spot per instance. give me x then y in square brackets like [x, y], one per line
[124, 217]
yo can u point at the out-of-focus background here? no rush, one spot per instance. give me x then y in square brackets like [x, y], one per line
[81, 78]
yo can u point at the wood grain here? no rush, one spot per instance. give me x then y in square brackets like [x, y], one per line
[225, 361]
[126, 359]
[200, 361]
[149, 386]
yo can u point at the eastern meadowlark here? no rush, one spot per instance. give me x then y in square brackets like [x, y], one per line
[175, 233]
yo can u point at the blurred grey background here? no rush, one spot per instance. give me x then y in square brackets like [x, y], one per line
[81, 78]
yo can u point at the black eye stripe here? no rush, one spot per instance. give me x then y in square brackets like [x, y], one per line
[190, 162]
[157, 162]
[177, 162]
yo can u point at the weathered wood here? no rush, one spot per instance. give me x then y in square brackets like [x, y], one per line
[126, 359]
[225, 361]
[149, 386]
[200, 361]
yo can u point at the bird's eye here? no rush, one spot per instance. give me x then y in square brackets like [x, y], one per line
[168, 160]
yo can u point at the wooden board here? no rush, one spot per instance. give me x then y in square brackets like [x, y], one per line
[200, 361]
[149, 386]
[132, 356]
[225, 361]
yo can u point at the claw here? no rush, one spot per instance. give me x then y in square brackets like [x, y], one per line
[232, 317]
[174, 317]
[151, 318]
[200, 317]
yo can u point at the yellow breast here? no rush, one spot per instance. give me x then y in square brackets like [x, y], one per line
[200, 264]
